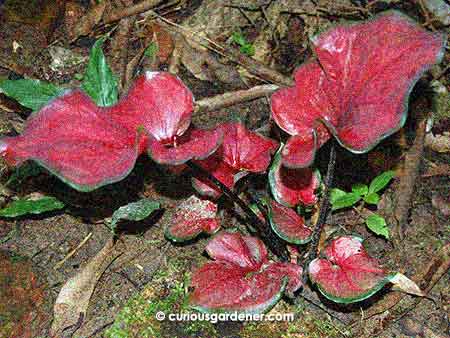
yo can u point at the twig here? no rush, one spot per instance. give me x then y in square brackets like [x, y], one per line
[231, 98]
[426, 278]
[71, 253]
[121, 13]
[272, 241]
[408, 179]
[323, 213]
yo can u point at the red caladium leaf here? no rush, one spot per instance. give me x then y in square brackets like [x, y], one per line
[347, 274]
[358, 87]
[89, 146]
[287, 224]
[291, 187]
[77, 141]
[191, 218]
[241, 278]
[242, 151]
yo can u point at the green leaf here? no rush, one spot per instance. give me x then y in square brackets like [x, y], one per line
[372, 198]
[136, 211]
[381, 181]
[360, 189]
[345, 201]
[378, 225]
[33, 94]
[245, 47]
[248, 50]
[31, 206]
[151, 50]
[99, 81]
[335, 194]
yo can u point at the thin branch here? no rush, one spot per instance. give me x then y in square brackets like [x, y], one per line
[121, 13]
[323, 213]
[232, 98]
[275, 244]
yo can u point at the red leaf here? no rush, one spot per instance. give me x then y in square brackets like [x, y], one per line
[241, 151]
[291, 187]
[158, 102]
[88, 146]
[244, 251]
[359, 86]
[241, 279]
[192, 217]
[77, 141]
[194, 144]
[287, 224]
[347, 274]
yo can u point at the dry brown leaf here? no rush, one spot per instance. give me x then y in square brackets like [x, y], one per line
[438, 143]
[73, 299]
[88, 21]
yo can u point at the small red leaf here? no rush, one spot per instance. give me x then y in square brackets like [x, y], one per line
[192, 217]
[241, 279]
[359, 86]
[287, 224]
[241, 151]
[291, 187]
[194, 144]
[347, 274]
[77, 141]
[244, 251]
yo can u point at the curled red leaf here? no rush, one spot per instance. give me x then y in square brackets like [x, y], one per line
[241, 278]
[358, 87]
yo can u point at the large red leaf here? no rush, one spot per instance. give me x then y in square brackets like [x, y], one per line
[347, 274]
[287, 224]
[89, 146]
[359, 85]
[241, 151]
[75, 140]
[291, 187]
[192, 217]
[241, 279]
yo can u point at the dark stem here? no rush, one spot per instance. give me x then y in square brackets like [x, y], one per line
[323, 212]
[274, 243]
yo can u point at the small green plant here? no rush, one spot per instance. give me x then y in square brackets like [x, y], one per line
[362, 194]
[244, 46]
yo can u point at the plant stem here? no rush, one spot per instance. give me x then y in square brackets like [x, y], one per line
[323, 213]
[274, 243]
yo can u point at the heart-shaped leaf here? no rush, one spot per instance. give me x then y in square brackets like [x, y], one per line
[378, 225]
[241, 279]
[192, 217]
[291, 187]
[89, 146]
[347, 274]
[358, 87]
[287, 224]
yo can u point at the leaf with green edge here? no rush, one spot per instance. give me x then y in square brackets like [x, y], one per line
[360, 189]
[99, 81]
[377, 224]
[381, 181]
[31, 206]
[345, 273]
[136, 211]
[32, 94]
[372, 198]
[345, 201]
